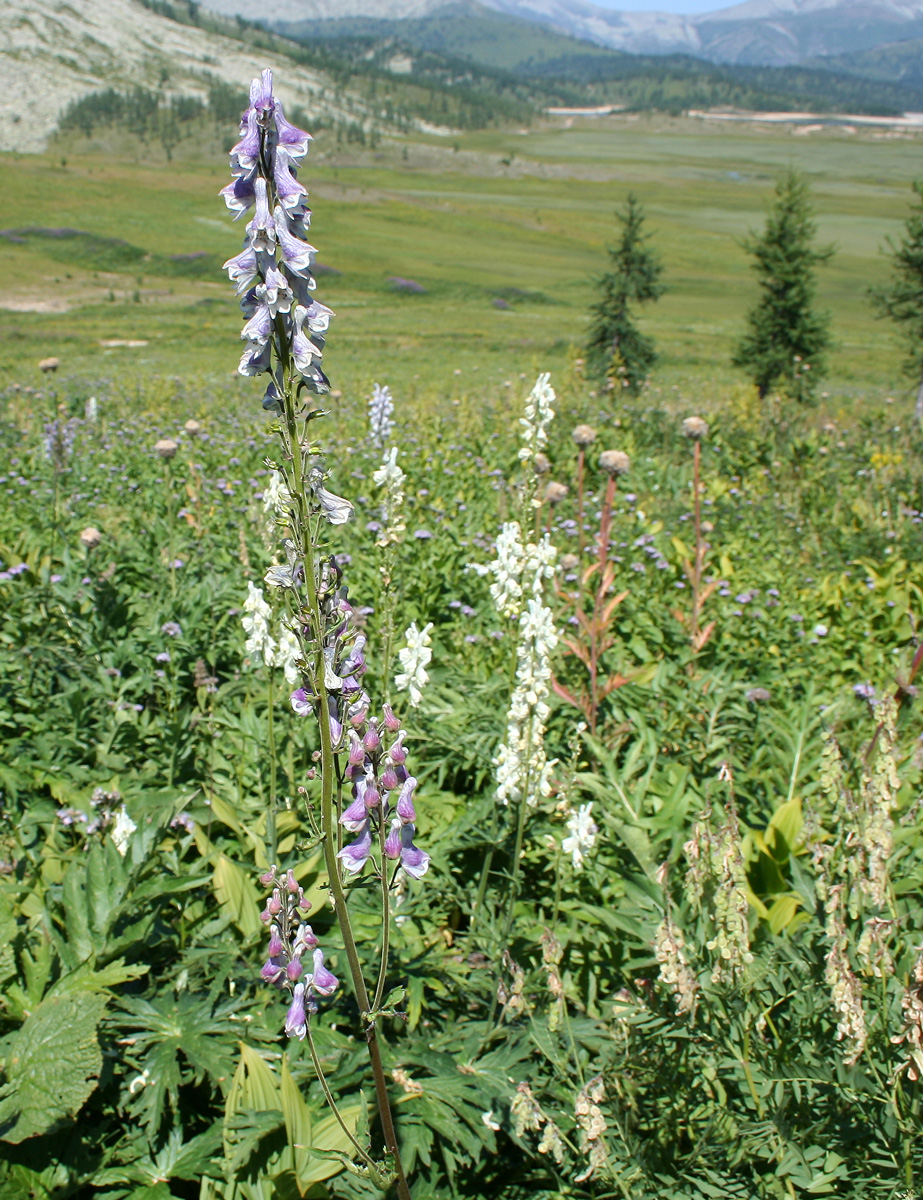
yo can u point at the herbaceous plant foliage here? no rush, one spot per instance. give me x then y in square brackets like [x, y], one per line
[494, 792]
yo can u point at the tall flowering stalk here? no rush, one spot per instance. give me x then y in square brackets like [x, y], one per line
[520, 570]
[361, 783]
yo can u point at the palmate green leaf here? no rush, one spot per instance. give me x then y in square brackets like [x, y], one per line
[51, 1065]
[176, 1042]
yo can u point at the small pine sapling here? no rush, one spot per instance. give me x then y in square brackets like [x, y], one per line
[902, 299]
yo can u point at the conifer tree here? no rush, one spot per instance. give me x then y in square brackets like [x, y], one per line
[617, 350]
[786, 338]
[902, 300]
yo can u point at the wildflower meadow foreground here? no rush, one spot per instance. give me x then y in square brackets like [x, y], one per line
[485, 795]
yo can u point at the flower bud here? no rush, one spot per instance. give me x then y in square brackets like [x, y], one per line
[372, 739]
[397, 753]
[292, 883]
[166, 447]
[356, 750]
[391, 722]
[371, 798]
[192, 427]
[266, 916]
[294, 970]
[275, 942]
[275, 904]
[389, 780]
[583, 435]
[614, 462]
[269, 878]
[90, 537]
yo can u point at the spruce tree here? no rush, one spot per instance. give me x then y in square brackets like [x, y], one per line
[902, 300]
[617, 350]
[786, 337]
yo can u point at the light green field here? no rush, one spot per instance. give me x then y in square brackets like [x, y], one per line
[466, 226]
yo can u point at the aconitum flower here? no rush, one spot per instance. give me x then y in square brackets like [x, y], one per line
[582, 830]
[284, 323]
[381, 412]
[415, 657]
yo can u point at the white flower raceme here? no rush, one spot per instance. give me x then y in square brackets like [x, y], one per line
[415, 657]
[518, 570]
[390, 477]
[287, 652]
[583, 830]
[537, 416]
[260, 645]
[122, 830]
[523, 772]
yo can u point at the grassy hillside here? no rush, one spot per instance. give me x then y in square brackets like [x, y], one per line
[523, 218]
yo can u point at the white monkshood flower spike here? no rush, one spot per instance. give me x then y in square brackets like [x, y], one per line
[415, 657]
[287, 653]
[260, 645]
[390, 477]
[583, 830]
[537, 417]
[381, 410]
[122, 830]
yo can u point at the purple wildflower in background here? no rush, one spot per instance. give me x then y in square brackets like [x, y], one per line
[273, 271]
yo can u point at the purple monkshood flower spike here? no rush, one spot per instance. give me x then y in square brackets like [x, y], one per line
[415, 862]
[355, 854]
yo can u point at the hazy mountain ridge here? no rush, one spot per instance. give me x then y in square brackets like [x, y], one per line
[758, 31]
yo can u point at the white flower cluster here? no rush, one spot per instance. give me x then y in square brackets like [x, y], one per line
[518, 570]
[537, 416]
[415, 657]
[583, 830]
[390, 477]
[381, 412]
[261, 647]
[523, 772]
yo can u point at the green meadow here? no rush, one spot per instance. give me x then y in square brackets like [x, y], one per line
[516, 217]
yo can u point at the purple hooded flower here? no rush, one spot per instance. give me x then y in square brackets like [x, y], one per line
[415, 862]
[272, 970]
[255, 360]
[397, 753]
[291, 138]
[298, 255]
[296, 1022]
[241, 268]
[391, 722]
[239, 194]
[261, 229]
[393, 840]
[304, 350]
[288, 189]
[355, 817]
[355, 854]
[247, 150]
[305, 937]
[323, 982]
[276, 291]
[259, 328]
[302, 702]
[275, 942]
[294, 970]
[405, 809]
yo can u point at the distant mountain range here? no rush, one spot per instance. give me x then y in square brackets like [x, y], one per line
[763, 32]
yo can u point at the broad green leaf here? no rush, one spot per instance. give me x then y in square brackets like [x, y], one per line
[781, 912]
[785, 829]
[52, 1065]
[235, 891]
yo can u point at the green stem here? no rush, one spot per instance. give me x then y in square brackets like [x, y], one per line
[328, 816]
[271, 835]
[322, 1080]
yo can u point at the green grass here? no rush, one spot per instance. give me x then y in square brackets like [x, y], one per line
[467, 227]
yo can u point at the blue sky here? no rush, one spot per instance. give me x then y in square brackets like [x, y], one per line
[672, 6]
